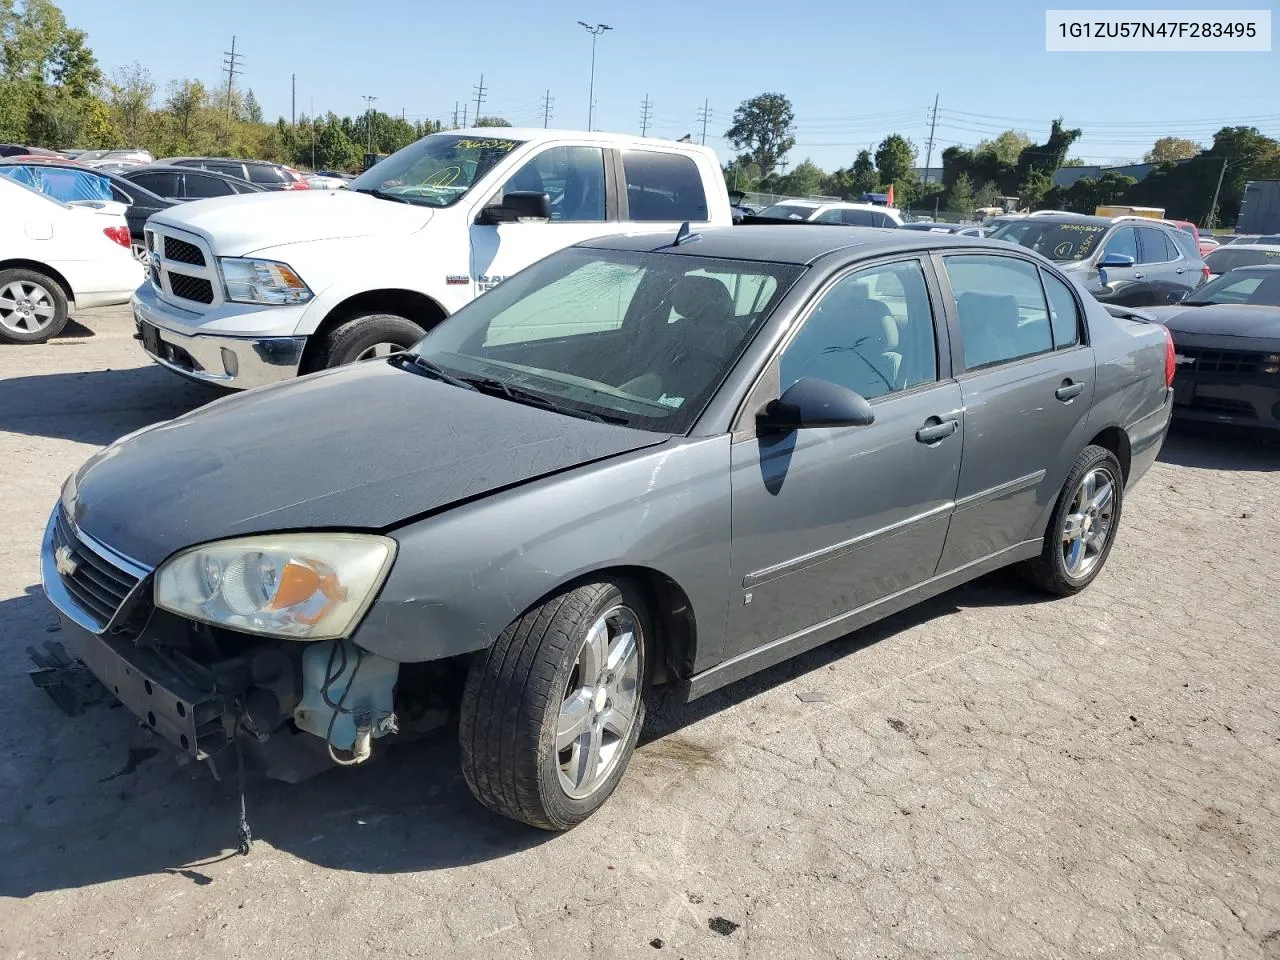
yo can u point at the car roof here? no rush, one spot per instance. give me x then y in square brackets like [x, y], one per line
[801, 243]
[1254, 268]
[541, 135]
[1248, 246]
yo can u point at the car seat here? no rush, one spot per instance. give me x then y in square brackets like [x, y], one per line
[697, 344]
[988, 328]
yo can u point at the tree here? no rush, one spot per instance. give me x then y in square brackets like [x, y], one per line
[985, 195]
[740, 175]
[762, 130]
[804, 181]
[492, 122]
[250, 112]
[961, 200]
[186, 99]
[1171, 148]
[129, 95]
[1006, 147]
[896, 160]
[862, 175]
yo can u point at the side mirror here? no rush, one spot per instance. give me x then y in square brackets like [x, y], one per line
[736, 197]
[1177, 296]
[810, 402]
[518, 206]
[1116, 260]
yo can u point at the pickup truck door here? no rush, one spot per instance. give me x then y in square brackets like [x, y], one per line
[579, 180]
[1027, 382]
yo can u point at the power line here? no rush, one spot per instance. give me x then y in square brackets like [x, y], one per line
[704, 115]
[230, 62]
[546, 109]
[479, 97]
[646, 115]
[933, 123]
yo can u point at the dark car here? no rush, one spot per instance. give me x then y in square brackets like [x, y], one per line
[934, 226]
[1128, 261]
[1227, 342]
[183, 183]
[69, 182]
[19, 150]
[1236, 255]
[263, 173]
[636, 462]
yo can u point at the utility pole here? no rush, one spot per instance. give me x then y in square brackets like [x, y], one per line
[646, 114]
[479, 97]
[313, 134]
[546, 109]
[595, 32]
[455, 115]
[293, 100]
[704, 115]
[368, 121]
[933, 123]
[464, 112]
[231, 60]
[1213, 207]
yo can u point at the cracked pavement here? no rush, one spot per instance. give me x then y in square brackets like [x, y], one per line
[988, 775]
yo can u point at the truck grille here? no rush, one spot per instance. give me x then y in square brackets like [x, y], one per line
[191, 288]
[1223, 361]
[183, 252]
[98, 586]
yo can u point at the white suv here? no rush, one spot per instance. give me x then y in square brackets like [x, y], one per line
[823, 211]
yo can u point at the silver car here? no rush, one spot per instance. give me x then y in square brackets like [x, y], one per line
[642, 461]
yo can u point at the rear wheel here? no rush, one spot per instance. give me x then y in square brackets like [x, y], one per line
[1084, 524]
[367, 336]
[552, 711]
[33, 307]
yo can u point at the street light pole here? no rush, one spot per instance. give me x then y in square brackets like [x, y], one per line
[595, 31]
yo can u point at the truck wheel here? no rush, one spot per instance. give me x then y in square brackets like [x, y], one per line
[33, 307]
[1083, 527]
[368, 335]
[551, 712]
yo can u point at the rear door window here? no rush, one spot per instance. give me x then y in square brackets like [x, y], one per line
[266, 175]
[230, 169]
[1156, 247]
[199, 186]
[162, 184]
[1001, 308]
[663, 186]
[1064, 315]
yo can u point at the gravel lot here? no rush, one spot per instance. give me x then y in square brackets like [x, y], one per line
[989, 775]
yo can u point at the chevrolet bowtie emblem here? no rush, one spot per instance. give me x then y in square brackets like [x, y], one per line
[1182, 358]
[64, 561]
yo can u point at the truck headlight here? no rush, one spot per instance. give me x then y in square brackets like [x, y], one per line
[301, 586]
[262, 281]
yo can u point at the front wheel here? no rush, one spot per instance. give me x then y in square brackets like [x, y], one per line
[552, 711]
[367, 336]
[33, 307]
[1084, 523]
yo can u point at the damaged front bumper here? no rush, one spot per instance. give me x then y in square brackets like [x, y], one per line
[295, 708]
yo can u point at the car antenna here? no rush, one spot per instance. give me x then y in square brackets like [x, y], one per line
[683, 235]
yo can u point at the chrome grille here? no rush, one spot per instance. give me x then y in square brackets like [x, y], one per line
[1223, 361]
[98, 586]
[183, 252]
[189, 288]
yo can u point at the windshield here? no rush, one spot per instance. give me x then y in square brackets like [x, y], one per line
[636, 338]
[1225, 259]
[59, 182]
[1063, 242]
[1257, 287]
[437, 171]
[788, 211]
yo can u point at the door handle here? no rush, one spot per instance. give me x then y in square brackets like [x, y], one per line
[1139, 276]
[935, 429]
[1180, 270]
[1069, 391]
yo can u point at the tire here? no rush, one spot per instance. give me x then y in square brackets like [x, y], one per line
[1068, 565]
[368, 335]
[33, 307]
[530, 684]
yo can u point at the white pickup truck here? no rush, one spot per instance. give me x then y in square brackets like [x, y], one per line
[258, 288]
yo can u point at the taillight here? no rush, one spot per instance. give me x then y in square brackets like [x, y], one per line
[297, 185]
[119, 234]
[1170, 364]
[1206, 273]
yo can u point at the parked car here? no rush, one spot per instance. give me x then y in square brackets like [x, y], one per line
[182, 183]
[319, 182]
[1130, 261]
[1264, 238]
[1235, 255]
[1204, 241]
[643, 460]
[19, 150]
[125, 156]
[269, 176]
[1227, 342]
[53, 254]
[959, 229]
[268, 287]
[72, 183]
[821, 211]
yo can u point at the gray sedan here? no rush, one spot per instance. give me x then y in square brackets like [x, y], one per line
[638, 462]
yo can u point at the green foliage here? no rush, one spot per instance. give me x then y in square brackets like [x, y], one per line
[803, 181]
[1007, 147]
[762, 130]
[895, 160]
[962, 195]
[250, 112]
[1171, 148]
[985, 195]
[742, 175]
[1089, 193]
[492, 122]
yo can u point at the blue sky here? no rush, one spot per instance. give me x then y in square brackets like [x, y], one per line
[854, 72]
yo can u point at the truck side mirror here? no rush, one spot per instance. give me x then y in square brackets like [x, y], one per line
[518, 206]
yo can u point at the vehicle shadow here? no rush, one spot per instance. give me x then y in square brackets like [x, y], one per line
[96, 797]
[1220, 448]
[74, 330]
[96, 406]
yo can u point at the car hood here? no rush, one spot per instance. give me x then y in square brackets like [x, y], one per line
[1221, 319]
[357, 448]
[240, 225]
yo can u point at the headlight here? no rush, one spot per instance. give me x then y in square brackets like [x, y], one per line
[297, 585]
[262, 281]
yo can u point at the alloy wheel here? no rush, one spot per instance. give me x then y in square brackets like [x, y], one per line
[1087, 526]
[26, 307]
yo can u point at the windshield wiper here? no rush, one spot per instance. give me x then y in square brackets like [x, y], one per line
[497, 388]
[382, 194]
[428, 368]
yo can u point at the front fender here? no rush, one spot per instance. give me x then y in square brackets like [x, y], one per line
[462, 575]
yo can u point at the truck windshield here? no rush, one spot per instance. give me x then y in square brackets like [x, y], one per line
[641, 339]
[437, 171]
[1058, 241]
